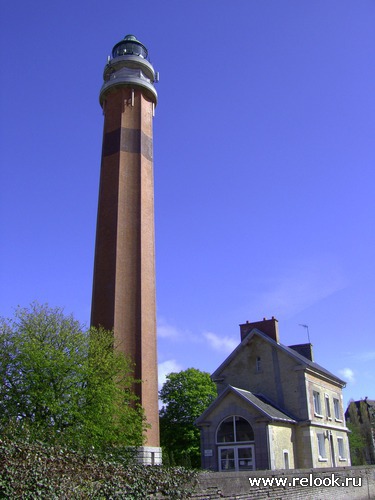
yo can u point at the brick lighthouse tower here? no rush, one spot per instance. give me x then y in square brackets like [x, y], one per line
[124, 270]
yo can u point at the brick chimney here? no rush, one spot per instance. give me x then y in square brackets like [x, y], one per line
[304, 349]
[269, 327]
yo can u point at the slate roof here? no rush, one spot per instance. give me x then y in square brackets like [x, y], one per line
[311, 364]
[257, 401]
[263, 405]
[298, 357]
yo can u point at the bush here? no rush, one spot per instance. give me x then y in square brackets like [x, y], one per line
[30, 470]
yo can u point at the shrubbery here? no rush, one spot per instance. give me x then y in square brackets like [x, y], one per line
[30, 470]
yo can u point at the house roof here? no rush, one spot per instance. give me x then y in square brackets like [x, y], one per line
[257, 401]
[263, 404]
[302, 360]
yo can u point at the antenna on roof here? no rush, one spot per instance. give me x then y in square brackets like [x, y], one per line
[307, 328]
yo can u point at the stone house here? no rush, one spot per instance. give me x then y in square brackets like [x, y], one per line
[276, 408]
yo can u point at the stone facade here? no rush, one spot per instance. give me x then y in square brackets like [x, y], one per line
[292, 404]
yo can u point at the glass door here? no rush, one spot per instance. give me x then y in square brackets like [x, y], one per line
[245, 458]
[236, 458]
[226, 459]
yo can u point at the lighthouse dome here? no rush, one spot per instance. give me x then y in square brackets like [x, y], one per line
[129, 46]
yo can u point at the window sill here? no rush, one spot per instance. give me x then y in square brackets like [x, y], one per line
[318, 415]
[338, 420]
[342, 459]
[323, 459]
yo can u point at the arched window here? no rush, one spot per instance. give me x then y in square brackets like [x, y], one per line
[234, 429]
[235, 438]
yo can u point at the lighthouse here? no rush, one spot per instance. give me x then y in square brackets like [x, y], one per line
[123, 298]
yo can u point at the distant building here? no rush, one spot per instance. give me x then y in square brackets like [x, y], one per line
[276, 408]
[361, 414]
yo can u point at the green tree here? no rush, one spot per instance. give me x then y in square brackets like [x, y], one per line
[111, 413]
[366, 429]
[185, 396]
[60, 382]
[356, 441]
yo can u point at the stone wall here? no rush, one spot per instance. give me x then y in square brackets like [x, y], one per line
[236, 485]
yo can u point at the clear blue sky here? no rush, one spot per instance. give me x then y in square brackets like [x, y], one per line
[264, 168]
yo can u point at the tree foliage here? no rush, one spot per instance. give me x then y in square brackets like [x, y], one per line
[360, 437]
[356, 439]
[185, 396]
[59, 382]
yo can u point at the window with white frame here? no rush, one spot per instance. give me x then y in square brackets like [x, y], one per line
[286, 459]
[317, 404]
[341, 448]
[321, 446]
[328, 407]
[336, 408]
[235, 438]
